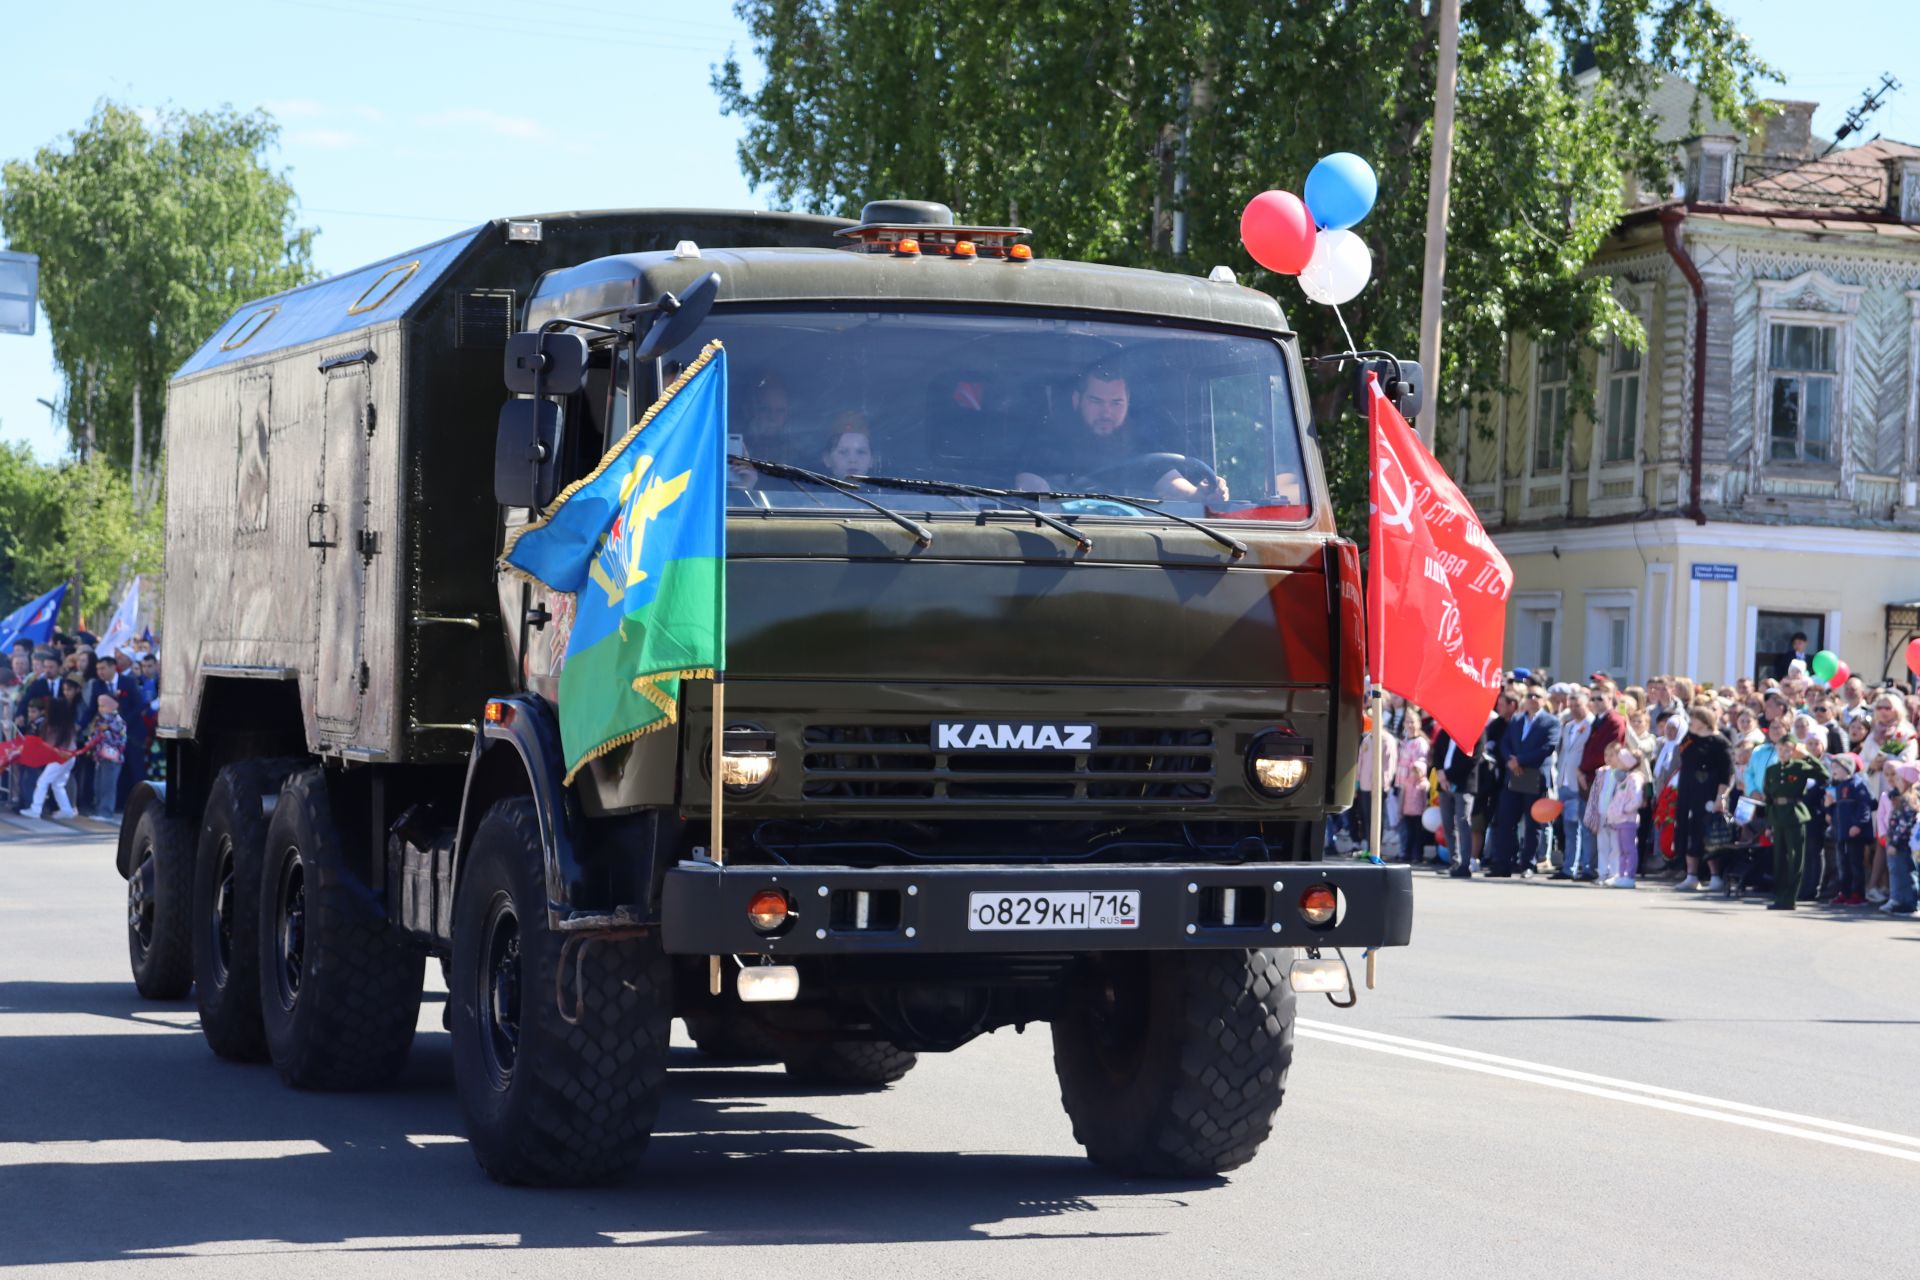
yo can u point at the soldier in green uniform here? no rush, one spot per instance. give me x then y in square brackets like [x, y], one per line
[1789, 780]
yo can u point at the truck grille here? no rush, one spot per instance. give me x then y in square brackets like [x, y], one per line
[897, 763]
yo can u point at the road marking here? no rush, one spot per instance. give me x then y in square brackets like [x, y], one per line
[352, 1244]
[150, 1151]
[28, 1022]
[1832, 1132]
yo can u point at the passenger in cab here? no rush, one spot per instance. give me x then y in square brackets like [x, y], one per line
[849, 450]
[1098, 435]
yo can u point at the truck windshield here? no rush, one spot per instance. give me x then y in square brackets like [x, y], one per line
[1202, 422]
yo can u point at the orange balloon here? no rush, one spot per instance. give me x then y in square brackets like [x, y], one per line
[1366, 724]
[1547, 809]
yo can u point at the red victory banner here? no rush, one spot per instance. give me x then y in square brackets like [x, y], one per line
[1437, 587]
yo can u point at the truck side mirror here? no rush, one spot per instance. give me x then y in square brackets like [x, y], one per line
[556, 362]
[1409, 391]
[1404, 384]
[526, 454]
[674, 325]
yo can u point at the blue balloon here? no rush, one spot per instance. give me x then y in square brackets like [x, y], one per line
[1340, 191]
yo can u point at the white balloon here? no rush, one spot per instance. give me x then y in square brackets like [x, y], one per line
[1431, 818]
[1339, 269]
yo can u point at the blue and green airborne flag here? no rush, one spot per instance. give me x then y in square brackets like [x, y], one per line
[641, 544]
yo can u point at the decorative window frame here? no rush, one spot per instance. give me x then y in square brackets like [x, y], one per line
[1557, 482]
[1810, 298]
[1908, 491]
[1639, 300]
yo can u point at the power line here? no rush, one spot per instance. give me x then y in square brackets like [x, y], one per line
[396, 217]
[488, 24]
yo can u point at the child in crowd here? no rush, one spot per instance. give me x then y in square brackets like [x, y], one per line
[1852, 828]
[107, 742]
[58, 732]
[1410, 784]
[1625, 793]
[1903, 829]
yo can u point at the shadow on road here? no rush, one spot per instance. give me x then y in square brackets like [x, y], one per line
[197, 1156]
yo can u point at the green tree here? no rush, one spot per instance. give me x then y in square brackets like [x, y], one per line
[72, 521]
[1119, 128]
[151, 230]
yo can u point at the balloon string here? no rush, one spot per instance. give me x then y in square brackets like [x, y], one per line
[1343, 327]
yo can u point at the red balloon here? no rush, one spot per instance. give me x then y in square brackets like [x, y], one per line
[1913, 656]
[1278, 231]
[1841, 674]
[1547, 809]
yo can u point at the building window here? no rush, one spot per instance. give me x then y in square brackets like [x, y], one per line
[1550, 410]
[1803, 374]
[1773, 640]
[1536, 632]
[1623, 404]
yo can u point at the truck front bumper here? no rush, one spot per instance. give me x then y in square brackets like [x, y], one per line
[929, 909]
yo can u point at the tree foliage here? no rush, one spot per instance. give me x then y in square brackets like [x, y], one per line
[73, 520]
[151, 230]
[1097, 121]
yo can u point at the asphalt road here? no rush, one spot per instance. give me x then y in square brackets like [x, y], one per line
[1554, 1080]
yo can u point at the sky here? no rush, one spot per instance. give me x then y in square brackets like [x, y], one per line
[405, 120]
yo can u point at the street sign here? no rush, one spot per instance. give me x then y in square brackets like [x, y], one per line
[1716, 573]
[19, 292]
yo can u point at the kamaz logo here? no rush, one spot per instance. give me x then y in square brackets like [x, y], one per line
[982, 735]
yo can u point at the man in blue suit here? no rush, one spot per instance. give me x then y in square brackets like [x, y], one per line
[1524, 755]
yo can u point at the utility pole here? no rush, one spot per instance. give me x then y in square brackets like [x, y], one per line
[1439, 179]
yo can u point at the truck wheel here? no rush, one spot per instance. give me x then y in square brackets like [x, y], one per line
[732, 1034]
[549, 1103]
[226, 908]
[856, 1064]
[339, 993]
[1173, 1064]
[160, 906]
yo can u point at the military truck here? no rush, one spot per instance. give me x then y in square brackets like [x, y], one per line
[1037, 721]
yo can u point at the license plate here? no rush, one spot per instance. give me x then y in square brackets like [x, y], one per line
[1098, 909]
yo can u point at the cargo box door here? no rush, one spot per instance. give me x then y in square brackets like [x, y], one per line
[334, 529]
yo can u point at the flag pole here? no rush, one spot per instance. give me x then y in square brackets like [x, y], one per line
[714, 851]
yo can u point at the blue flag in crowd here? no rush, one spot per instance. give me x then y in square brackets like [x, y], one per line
[32, 620]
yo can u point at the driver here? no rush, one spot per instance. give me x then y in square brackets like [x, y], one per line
[1098, 437]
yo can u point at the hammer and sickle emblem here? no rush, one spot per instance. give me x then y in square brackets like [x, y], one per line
[1395, 512]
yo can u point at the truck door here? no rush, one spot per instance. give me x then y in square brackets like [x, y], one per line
[334, 530]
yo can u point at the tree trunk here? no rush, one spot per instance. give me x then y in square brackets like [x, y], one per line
[135, 477]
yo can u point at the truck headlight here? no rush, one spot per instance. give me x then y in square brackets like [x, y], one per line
[746, 759]
[1279, 763]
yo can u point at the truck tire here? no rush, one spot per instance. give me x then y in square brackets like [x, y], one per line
[733, 1034]
[853, 1064]
[548, 1102]
[226, 907]
[1173, 1064]
[160, 906]
[339, 992]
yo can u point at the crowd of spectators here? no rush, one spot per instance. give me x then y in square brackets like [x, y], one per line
[99, 706]
[1783, 784]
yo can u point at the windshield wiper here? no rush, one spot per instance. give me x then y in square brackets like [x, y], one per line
[953, 488]
[1236, 549]
[787, 471]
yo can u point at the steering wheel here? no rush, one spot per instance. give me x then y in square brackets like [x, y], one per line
[1149, 467]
